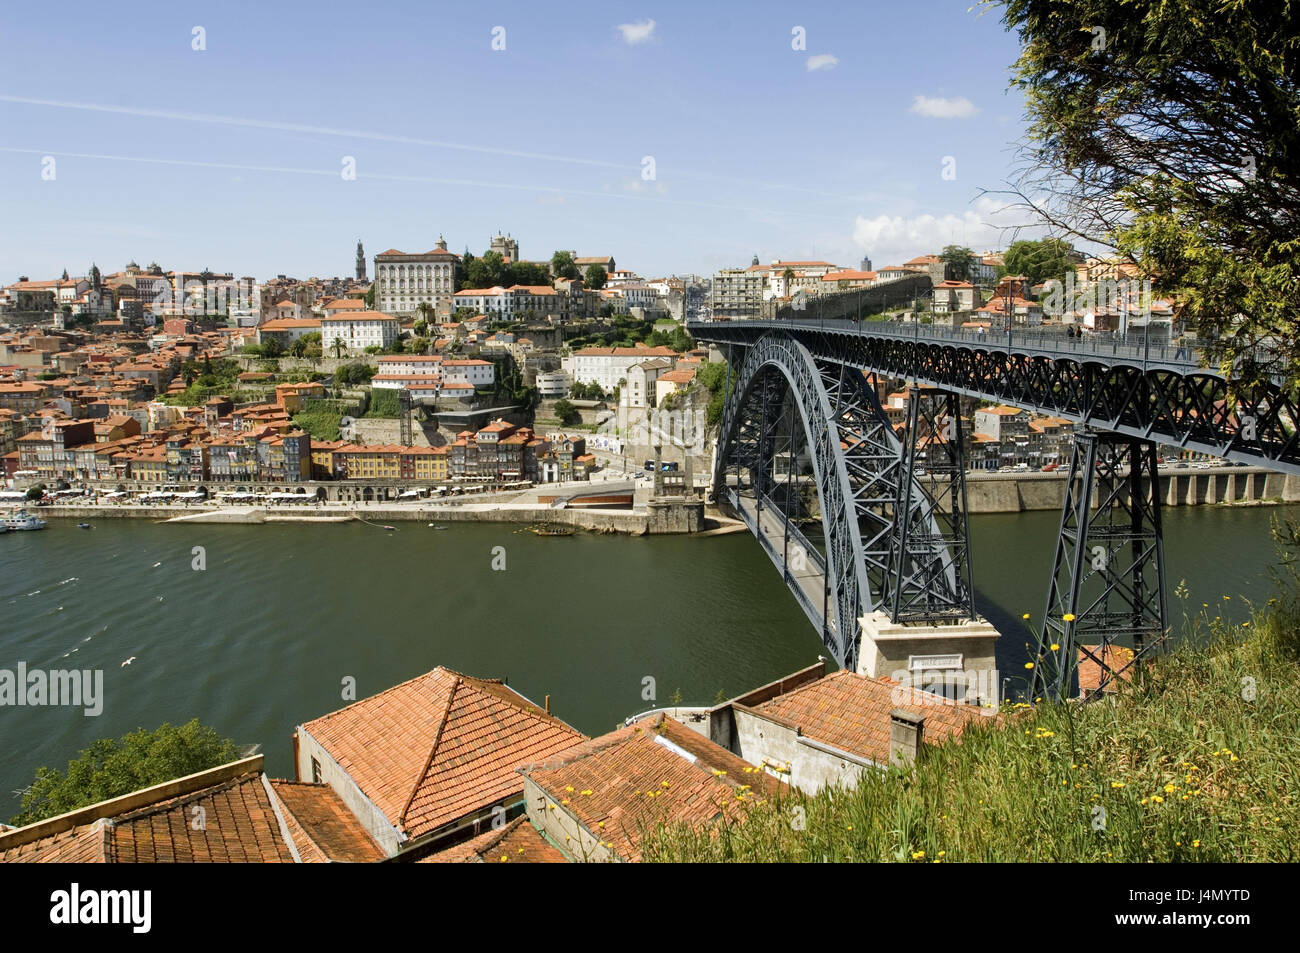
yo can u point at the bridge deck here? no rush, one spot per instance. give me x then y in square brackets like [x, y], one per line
[805, 576]
[1131, 386]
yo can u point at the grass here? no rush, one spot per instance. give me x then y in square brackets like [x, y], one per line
[321, 424]
[383, 403]
[1198, 762]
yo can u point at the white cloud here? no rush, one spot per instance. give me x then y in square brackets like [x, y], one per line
[937, 107]
[639, 32]
[893, 239]
[822, 61]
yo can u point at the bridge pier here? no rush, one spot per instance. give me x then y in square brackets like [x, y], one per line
[1106, 606]
[955, 659]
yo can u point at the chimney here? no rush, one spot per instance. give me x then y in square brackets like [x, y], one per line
[905, 730]
[548, 704]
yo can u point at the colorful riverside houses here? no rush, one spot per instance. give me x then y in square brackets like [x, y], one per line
[229, 814]
[431, 761]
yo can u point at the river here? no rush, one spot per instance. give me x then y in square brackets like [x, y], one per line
[264, 637]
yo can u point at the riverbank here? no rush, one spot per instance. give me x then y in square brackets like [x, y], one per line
[985, 492]
[626, 522]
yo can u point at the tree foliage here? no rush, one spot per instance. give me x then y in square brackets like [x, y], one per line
[566, 413]
[1039, 261]
[562, 265]
[960, 261]
[355, 373]
[1167, 130]
[112, 767]
[595, 277]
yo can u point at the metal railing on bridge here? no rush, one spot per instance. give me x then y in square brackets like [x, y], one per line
[1052, 341]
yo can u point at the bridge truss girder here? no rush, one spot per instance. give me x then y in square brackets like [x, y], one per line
[930, 567]
[1108, 576]
[1255, 422]
[783, 404]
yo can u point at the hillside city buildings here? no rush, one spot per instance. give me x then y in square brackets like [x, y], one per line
[104, 378]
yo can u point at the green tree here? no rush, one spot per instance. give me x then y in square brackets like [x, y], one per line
[369, 297]
[595, 277]
[112, 767]
[959, 261]
[562, 265]
[1167, 130]
[36, 491]
[338, 347]
[567, 413]
[272, 347]
[1041, 260]
[354, 373]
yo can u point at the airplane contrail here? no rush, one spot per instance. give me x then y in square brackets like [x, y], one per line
[277, 125]
[429, 180]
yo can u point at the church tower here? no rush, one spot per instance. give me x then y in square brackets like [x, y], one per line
[361, 262]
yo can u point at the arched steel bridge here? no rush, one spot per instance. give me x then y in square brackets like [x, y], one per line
[804, 440]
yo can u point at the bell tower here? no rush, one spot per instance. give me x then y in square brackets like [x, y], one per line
[361, 262]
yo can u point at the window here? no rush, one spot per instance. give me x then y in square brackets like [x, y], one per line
[315, 771]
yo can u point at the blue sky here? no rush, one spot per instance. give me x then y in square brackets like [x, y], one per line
[231, 157]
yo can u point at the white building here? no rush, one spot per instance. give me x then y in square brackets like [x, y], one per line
[410, 364]
[358, 330]
[552, 384]
[515, 302]
[470, 370]
[403, 282]
[606, 366]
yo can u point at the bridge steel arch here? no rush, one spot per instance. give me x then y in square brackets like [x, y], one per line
[857, 464]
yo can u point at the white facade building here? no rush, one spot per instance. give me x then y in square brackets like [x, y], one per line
[472, 371]
[606, 366]
[358, 330]
[403, 282]
[553, 384]
[410, 364]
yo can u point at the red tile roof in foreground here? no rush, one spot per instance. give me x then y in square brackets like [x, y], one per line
[87, 844]
[438, 747]
[1116, 657]
[517, 843]
[851, 712]
[239, 825]
[651, 772]
[322, 827]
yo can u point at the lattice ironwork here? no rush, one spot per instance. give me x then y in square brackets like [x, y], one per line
[930, 570]
[856, 461]
[1171, 402]
[1108, 577]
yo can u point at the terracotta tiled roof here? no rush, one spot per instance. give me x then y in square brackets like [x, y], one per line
[85, 844]
[517, 842]
[322, 827]
[851, 712]
[1116, 658]
[644, 774]
[239, 826]
[431, 750]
